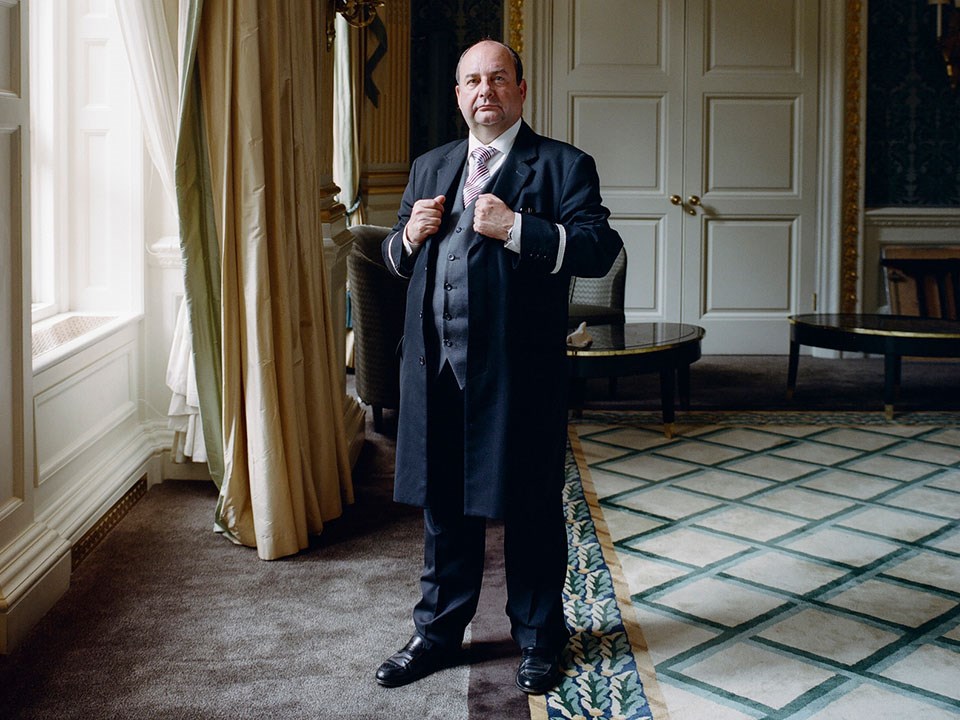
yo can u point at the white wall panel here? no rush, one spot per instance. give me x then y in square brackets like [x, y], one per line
[749, 266]
[9, 71]
[734, 26]
[751, 144]
[82, 407]
[93, 224]
[102, 129]
[642, 239]
[617, 33]
[624, 135]
[96, 74]
[9, 269]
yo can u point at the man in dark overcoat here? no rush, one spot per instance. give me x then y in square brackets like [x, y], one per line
[490, 231]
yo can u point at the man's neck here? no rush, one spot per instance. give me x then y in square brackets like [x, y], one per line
[508, 136]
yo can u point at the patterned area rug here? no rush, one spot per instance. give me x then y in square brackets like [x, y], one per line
[607, 670]
[780, 565]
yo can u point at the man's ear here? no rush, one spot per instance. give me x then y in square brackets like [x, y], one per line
[523, 89]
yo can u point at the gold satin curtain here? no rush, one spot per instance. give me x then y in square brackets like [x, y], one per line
[249, 186]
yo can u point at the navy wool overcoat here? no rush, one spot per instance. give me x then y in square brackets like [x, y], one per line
[515, 399]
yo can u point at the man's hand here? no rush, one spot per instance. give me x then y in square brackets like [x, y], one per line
[492, 217]
[424, 219]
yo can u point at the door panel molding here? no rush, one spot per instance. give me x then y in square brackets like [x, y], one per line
[749, 266]
[730, 25]
[770, 125]
[608, 127]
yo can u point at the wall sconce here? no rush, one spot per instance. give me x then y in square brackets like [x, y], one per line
[358, 13]
[948, 37]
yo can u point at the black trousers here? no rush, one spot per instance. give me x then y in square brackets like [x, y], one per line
[535, 544]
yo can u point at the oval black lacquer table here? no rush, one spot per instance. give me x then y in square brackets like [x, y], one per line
[892, 336]
[637, 348]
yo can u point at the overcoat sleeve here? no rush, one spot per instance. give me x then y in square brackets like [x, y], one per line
[397, 259]
[591, 245]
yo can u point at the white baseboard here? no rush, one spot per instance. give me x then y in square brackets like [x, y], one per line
[34, 574]
[103, 484]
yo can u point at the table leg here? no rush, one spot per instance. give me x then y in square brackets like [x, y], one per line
[577, 394]
[792, 368]
[898, 369]
[683, 386]
[666, 400]
[891, 377]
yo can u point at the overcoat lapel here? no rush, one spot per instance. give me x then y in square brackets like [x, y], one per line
[516, 171]
[449, 173]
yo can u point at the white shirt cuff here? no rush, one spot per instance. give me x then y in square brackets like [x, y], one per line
[561, 247]
[514, 242]
[408, 246]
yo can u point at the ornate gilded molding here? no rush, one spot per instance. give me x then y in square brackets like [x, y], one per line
[515, 39]
[852, 123]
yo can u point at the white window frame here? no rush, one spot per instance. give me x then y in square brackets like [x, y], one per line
[86, 164]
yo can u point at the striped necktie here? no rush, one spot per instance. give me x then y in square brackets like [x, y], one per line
[479, 175]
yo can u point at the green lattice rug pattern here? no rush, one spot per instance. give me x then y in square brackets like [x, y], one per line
[789, 565]
[607, 673]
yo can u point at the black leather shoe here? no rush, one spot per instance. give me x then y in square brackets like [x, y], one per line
[414, 661]
[539, 671]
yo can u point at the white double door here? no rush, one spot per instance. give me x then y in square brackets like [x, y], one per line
[702, 116]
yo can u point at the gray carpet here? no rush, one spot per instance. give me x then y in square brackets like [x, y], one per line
[165, 619]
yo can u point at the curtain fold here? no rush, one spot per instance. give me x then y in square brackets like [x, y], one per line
[199, 244]
[252, 109]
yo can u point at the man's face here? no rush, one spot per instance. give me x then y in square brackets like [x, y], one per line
[487, 90]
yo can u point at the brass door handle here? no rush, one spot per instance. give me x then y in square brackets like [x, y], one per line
[692, 200]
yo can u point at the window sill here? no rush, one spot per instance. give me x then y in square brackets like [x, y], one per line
[62, 336]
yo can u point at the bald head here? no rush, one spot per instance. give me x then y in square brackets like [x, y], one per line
[517, 62]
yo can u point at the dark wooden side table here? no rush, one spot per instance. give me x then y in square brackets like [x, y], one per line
[634, 349]
[892, 336]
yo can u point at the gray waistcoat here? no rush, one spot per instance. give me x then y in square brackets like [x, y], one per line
[449, 301]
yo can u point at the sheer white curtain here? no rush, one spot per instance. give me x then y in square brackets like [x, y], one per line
[147, 27]
[346, 148]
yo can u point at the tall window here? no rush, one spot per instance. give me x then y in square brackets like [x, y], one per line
[86, 163]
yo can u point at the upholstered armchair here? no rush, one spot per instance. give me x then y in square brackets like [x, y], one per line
[377, 301]
[599, 301]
